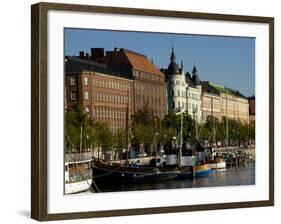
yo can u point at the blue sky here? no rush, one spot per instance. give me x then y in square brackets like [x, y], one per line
[228, 61]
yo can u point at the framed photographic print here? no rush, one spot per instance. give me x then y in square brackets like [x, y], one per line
[139, 111]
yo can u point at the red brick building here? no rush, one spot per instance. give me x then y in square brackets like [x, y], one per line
[149, 87]
[106, 97]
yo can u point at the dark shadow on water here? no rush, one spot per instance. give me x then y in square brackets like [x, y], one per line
[24, 213]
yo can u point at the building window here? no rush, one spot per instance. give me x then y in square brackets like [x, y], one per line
[73, 96]
[86, 95]
[86, 81]
[179, 94]
[72, 81]
[179, 104]
[173, 93]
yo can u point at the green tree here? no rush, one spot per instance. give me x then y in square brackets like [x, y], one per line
[75, 120]
[104, 137]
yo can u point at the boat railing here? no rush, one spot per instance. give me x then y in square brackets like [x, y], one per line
[80, 176]
[76, 157]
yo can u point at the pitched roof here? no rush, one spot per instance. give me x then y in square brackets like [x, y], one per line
[215, 88]
[141, 62]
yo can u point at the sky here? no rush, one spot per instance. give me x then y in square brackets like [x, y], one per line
[227, 61]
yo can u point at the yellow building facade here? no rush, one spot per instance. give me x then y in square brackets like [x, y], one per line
[221, 102]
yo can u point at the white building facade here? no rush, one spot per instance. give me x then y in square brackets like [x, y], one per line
[183, 91]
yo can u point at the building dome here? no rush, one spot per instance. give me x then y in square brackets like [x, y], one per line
[173, 68]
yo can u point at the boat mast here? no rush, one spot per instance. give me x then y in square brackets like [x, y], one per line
[213, 119]
[81, 131]
[226, 119]
[181, 140]
[196, 125]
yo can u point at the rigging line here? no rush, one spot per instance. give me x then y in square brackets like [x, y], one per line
[69, 140]
[93, 181]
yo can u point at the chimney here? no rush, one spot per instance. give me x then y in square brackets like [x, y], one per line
[97, 53]
[81, 54]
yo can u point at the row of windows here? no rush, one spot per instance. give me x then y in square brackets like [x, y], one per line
[179, 93]
[102, 83]
[142, 99]
[149, 87]
[231, 112]
[115, 128]
[194, 96]
[102, 97]
[145, 75]
[112, 97]
[210, 104]
[112, 85]
[178, 83]
[191, 106]
[109, 113]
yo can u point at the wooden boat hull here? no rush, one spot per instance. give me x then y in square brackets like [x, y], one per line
[201, 170]
[217, 164]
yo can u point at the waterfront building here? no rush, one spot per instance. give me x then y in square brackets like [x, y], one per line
[149, 87]
[233, 104]
[211, 105]
[252, 109]
[183, 90]
[105, 97]
[176, 85]
[194, 95]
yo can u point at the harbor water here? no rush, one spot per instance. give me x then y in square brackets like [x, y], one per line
[243, 175]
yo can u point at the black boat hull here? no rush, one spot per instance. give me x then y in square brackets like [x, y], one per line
[101, 174]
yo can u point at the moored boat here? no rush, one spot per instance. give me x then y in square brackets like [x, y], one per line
[78, 172]
[201, 170]
[217, 164]
[117, 173]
